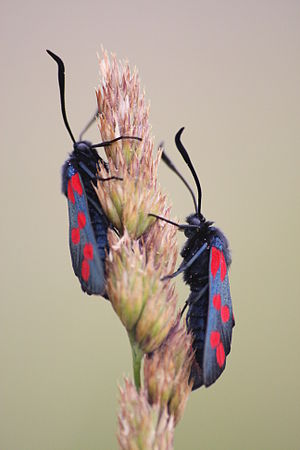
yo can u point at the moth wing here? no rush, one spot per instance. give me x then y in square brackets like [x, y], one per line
[196, 323]
[86, 261]
[220, 316]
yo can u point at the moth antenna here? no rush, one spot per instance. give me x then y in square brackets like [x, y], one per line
[107, 143]
[61, 82]
[187, 160]
[91, 121]
[171, 166]
[180, 226]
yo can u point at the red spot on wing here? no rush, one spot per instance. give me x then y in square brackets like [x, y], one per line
[214, 339]
[88, 251]
[85, 270]
[215, 261]
[70, 192]
[81, 219]
[76, 184]
[225, 313]
[75, 235]
[220, 354]
[223, 267]
[217, 301]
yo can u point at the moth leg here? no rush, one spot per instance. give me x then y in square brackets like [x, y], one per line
[109, 178]
[87, 170]
[96, 177]
[185, 266]
[97, 207]
[99, 210]
[195, 298]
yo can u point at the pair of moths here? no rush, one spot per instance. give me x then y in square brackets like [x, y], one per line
[206, 255]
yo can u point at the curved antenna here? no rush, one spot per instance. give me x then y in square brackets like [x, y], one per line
[171, 166]
[91, 121]
[107, 143]
[61, 82]
[186, 158]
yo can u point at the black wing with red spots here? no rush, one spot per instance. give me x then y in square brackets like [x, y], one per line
[87, 263]
[206, 259]
[220, 316]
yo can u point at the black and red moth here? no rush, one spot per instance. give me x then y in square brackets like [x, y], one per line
[88, 223]
[206, 259]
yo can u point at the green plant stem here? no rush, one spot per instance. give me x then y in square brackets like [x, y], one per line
[137, 356]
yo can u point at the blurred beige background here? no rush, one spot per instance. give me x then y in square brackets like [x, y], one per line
[228, 71]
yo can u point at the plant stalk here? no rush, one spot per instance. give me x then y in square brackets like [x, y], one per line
[137, 356]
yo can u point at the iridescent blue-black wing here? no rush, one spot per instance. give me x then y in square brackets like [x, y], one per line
[196, 319]
[220, 316]
[86, 261]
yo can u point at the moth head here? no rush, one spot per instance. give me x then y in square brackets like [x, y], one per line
[82, 146]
